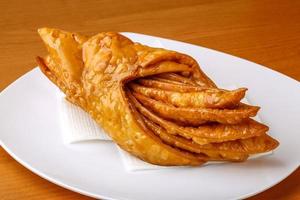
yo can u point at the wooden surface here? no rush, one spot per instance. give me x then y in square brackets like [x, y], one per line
[263, 31]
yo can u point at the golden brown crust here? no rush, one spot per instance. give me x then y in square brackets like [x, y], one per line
[206, 133]
[95, 72]
[198, 116]
[116, 117]
[207, 98]
[177, 78]
[212, 151]
[169, 85]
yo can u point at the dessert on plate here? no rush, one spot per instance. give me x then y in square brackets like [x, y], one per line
[154, 103]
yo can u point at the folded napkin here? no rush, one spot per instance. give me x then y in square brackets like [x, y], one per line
[76, 124]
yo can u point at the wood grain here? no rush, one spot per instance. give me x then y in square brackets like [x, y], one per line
[263, 31]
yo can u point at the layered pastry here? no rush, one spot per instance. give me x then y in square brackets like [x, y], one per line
[154, 103]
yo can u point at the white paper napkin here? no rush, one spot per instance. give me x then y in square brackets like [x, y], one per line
[76, 124]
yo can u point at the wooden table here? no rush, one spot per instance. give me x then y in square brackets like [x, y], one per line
[263, 31]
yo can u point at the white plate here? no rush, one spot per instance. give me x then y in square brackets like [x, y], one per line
[30, 133]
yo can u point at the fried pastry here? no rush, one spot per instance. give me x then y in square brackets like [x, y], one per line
[206, 133]
[154, 103]
[177, 78]
[206, 98]
[173, 86]
[192, 116]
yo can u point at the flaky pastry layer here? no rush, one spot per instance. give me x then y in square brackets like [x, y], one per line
[154, 103]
